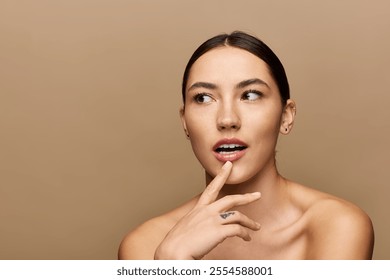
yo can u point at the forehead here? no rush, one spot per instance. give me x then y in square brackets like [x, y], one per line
[229, 65]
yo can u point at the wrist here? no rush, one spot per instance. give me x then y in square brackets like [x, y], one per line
[163, 253]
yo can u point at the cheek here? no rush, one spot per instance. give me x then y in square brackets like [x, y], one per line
[262, 123]
[203, 134]
[199, 123]
[199, 129]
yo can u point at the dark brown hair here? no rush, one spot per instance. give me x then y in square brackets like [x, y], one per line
[251, 44]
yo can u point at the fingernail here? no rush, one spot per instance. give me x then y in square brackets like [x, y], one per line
[258, 225]
[256, 194]
[227, 164]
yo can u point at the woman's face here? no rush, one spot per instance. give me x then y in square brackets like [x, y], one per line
[233, 112]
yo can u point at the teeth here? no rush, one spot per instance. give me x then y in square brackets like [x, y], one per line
[229, 146]
[229, 149]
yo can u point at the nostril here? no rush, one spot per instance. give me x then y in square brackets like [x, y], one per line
[228, 121]
[228, 126]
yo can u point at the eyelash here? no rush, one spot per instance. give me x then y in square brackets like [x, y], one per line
[200, 95]
[260, 94]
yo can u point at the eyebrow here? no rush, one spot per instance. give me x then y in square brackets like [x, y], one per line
[249, 82]
[240, 85]
[202, 85]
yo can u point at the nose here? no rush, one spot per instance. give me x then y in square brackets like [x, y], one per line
[228, 117]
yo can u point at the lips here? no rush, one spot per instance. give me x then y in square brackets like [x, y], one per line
[229, 149]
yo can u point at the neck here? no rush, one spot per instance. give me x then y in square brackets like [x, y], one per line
[268, 182]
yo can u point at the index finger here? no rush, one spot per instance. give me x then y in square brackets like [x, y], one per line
[211, 192]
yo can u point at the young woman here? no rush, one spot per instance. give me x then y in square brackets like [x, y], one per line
[236, 103]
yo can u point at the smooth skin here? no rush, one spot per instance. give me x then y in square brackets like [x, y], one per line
[231, 94]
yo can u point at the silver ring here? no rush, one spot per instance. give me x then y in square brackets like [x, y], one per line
[226, 214]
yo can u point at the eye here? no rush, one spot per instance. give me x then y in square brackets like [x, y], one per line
[251, 95]
[202, 98]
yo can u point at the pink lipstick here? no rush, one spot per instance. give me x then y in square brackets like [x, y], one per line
[229, 149]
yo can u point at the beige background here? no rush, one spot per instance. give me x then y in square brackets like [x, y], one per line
[91, 143]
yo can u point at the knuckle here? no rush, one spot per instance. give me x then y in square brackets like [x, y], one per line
[230, 199]
[236, 228]
[211, 189]
[206, 194]
[209, 212]
[238, 215]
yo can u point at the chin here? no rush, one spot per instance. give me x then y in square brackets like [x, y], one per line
[238, 177]
[234, 181]
[240, 172]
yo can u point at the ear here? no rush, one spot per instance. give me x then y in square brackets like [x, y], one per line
[183, 122]
[288, 116]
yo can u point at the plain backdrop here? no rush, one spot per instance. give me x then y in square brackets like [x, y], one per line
[91, 143]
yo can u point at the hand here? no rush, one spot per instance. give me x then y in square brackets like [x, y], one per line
[208, 223]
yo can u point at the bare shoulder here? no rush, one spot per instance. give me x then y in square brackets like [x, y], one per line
[336, 228]
[141, 242]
